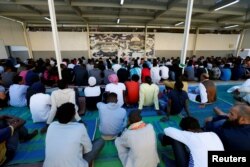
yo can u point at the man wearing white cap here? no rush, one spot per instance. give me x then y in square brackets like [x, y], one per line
[92, 94]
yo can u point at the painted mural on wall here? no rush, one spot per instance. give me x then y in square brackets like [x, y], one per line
[132, 45]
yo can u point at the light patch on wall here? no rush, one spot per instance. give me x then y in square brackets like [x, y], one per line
[231, 46]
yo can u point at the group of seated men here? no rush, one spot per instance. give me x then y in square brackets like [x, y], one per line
[65, 106]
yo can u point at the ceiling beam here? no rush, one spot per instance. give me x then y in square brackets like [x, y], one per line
[227, 18]
[73, 15]
[205, 10]
[169, 5]
[31, 2]
[76, 9]
[31, 8]
[117, 5]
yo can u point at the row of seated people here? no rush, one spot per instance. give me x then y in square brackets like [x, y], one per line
[129, 94]
[78, 71]
[190, 145]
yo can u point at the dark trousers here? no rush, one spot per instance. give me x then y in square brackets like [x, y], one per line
[97, 147]
[180, 152]
[12, 143]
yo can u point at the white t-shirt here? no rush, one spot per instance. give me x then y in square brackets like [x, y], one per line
[71, 66]
[203, 93]
[116, 67]
[92, 91]
[155, 74]
[164, 72]
[118, 89]
[40, 105]
[65, 145]
[198, 143]
[18, 95]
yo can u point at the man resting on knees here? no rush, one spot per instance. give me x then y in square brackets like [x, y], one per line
[67, 143]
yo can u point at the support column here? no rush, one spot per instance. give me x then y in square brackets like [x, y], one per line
[145, 42]
[239, 44]
[27, 41]
[195, 40]
[89, 54]
[186, 32]
[55, 36]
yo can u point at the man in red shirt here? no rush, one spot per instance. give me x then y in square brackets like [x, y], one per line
[145, 72]
[132, 93]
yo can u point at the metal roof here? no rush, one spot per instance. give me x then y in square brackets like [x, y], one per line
[161, 13]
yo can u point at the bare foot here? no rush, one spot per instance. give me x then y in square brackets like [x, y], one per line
[208, 119]
[218, 111]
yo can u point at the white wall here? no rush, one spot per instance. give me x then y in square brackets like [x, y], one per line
[217, 42]
[11, 33]
[69, 41]
[246, 40]
[171, 41]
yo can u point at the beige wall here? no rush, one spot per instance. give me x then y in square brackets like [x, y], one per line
[171, 41]
[246, 40]
[11, 33]
[217, 42]
[69, 41]
[74, 44]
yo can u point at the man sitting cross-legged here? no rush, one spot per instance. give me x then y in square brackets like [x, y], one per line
[67, 143]
[137, 145]
[113, 118]
[59, 97]
[197, 141]
[12, 132]
[149, 95]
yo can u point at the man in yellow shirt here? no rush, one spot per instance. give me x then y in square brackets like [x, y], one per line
[149, 95]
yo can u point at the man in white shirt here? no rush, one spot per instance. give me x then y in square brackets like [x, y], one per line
[115, 66]
[17, 92]
[164, 72]
[92, 94]
[155, 73]
[59, 97]
[116, 87]
[197, 141]
[40, 105]
[113, 118]
[242, 93]
[67, 143]
[206, 92]
[137, 145]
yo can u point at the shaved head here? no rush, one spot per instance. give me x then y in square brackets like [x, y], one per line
[240, 113]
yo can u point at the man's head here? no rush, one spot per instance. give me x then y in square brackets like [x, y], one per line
[18, 79]
[178, 85]
[92, 81]
[112, 98]
[113, 78]
[135, 78]
[65, 113]
[204, 76]
[134, 116]
[148, 80]
[62, 84]
[190, 124]
[239, 114]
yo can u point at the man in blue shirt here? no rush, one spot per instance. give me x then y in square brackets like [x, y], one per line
[113, 118]
[232, 128]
